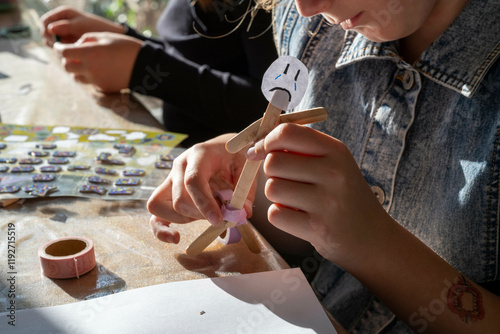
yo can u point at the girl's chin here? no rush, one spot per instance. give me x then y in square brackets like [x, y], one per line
[375, 34]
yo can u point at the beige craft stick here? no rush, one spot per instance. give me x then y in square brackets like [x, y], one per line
[249, 238]
[247, 176]
[240, 193]
[283, 85]
[249, 134]
[206, 238]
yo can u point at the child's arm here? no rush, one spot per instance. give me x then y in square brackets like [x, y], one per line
[105, 60]
[70, 24]
[320, 195]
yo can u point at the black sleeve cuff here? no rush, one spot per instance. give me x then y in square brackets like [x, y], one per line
[129, 31]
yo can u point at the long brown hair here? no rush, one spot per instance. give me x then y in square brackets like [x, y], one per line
[207, 5]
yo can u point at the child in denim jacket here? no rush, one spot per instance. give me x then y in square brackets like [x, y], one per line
[398, 190]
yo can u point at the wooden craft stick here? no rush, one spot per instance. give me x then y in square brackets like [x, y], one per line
[206, 238]
[8, 201]
[247, 176]
[269, 122]
[249, 134]
[249, 238]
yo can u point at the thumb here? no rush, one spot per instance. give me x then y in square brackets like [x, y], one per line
[61, 28]
[87, 38]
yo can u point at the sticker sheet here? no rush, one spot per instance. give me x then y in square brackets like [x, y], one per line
[42, 161]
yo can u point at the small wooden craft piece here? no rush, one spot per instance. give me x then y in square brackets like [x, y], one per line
[249, 134]
[284, 84]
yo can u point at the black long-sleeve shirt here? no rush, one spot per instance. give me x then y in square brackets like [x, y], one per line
[209, 85]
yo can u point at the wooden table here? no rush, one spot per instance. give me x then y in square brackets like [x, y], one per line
[34, 89]
[38, 91]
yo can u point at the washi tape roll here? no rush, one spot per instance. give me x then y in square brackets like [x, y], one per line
[67, 257]
[231, 235]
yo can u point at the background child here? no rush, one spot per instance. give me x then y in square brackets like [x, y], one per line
[209, 85]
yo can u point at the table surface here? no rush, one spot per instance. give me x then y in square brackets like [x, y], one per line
[37, 91]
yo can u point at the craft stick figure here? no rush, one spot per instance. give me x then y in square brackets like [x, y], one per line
[284, 84]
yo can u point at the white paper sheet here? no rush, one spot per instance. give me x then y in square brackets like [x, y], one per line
[268, 302]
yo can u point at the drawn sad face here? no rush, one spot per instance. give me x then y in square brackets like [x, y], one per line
[285, 82]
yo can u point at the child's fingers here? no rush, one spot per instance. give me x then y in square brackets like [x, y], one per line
[182, 202]
[296, 167]
[197, 183]
[292, 138]
[292, 221]
[81, 78]
[162, 230]
[75, 67]
[61, 28]
[291, 194]
[77, 51]
[60, 13]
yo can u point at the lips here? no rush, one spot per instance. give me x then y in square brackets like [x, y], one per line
[350, 23]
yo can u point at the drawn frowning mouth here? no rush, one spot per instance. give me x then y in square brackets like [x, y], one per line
[284, 90]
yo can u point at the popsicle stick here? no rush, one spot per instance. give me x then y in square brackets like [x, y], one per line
[8, 201]
[206, 238]
[249, 238]
[249, 134]
[247, 176]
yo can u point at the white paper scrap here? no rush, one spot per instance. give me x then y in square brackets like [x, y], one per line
[268, 302]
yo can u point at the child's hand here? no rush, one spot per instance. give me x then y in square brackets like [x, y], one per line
[70, 24]
[105, 60]
[187, 193]
[319, 193]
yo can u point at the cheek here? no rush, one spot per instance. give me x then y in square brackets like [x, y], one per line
[388, 20]
[394, 22]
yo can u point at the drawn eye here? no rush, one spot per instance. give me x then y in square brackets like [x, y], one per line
[284, 72]
[286, 69]
[296, 77]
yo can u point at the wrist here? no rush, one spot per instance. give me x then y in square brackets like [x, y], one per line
[372, 245]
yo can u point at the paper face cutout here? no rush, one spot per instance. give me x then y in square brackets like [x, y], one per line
[286, 75]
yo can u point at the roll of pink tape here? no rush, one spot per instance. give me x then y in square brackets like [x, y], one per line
[224, 195]
[230, 236]
[67, 257]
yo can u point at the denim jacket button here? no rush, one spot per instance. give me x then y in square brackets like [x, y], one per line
[408, 80]
[379, 193]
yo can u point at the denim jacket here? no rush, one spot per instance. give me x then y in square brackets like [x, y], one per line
[425, 136]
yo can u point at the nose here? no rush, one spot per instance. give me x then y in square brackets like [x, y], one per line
[308, 8]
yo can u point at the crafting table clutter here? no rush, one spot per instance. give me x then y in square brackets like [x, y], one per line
[43, 161]
[48, 107]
